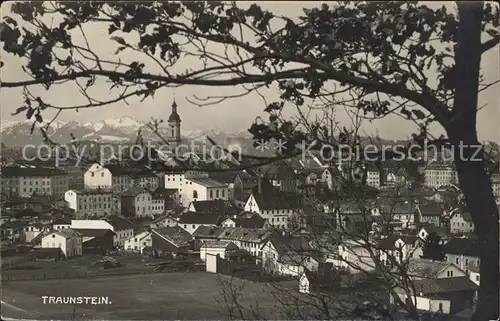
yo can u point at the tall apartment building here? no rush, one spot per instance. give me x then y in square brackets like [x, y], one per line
[93, 203]
[26, 181]
[440, 174]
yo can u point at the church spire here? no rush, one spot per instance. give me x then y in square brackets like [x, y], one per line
[174, 116]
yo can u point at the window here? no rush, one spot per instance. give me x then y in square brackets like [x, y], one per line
[211, 194]
[92, 174]
[195, 194]
[102, 174]
[194, 226]
[477, 278]
[217, 193]
[456, 260]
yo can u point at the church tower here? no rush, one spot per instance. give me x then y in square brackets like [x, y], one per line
[174, 124]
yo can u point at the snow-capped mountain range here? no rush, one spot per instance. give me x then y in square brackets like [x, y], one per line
[123, 129]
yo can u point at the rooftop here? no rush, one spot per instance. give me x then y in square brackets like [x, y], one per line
[444, 285]
[423, 268]
[200, 218]
[462, 246]
[206, 182]
[175, 235]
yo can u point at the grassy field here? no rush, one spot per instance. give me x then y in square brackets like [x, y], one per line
[195, 295]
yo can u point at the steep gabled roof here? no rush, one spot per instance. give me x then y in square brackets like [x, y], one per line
[270, 198]
[175, 235]
[462, 246]
[423, 268]
[120, 223]
[200, 218]
[134, 191]
[444, 285]
[215, 206]
[430, 209]
[290, 244]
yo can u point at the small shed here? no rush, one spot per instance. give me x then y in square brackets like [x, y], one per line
[215, 248]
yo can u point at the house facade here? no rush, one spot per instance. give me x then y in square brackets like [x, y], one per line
[69, 241]
[92, 203]
[461, 222]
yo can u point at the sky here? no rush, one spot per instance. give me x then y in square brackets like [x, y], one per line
[230, 115]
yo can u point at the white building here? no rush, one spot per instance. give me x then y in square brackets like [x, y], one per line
[138, 242]
[461, 222]
[67, 240]
[139, 202]
[119, 177]
[26, 181]
[92, 203]
[33, 230]
[438, 174]
[278, 209]
[373, 178]
[122, 228]
[98, 176]
[196, 186]
[61, 224]
[219, 248]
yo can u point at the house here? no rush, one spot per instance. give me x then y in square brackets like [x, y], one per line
[440, 174]
[219, 248]
[33, 230]
[372, 176]
[37, 204]
[400, 211]
[430, 213]
[30, 180]
[171, 241]
[354, 256]
[138, 242]
[281, 210]
[203, 189]
[167, 220]
[61, 224]
[252, 221]
[139, 202]
[123, 228]
[425, 231]
[205, 233]
[68, 240]
[282, 176]
[400, 248]
[351, 217]
[440, 295]
[464, 252]
[461, 222]
[428, 269]
[97, 240]
[92, 203]
[325, 279]
[243, 186]
[195, 186]
[288, 255]
[12, 231]
[162, 199]
[190, 221]
[223, 207]
[249, 239]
